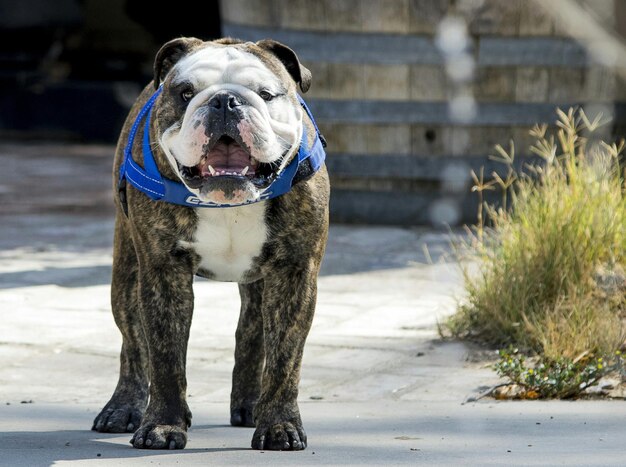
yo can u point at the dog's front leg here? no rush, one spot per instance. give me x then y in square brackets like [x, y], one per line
[249, 356]
[166, 307]
[125, 409]
[288, 306]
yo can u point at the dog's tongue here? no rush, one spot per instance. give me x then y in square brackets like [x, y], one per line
[226, 158]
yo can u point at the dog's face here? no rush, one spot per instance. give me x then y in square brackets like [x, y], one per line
[228, 119]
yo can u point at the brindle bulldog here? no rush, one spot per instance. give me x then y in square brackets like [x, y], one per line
[226, 121]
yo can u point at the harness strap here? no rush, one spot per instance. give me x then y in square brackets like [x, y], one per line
[150, 181]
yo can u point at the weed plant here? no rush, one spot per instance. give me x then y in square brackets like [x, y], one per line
[546, 267]
[561, 378]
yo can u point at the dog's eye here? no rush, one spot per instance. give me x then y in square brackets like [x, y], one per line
[186, 95]
[266, 95]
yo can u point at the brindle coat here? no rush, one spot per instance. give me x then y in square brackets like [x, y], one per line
[152, 300]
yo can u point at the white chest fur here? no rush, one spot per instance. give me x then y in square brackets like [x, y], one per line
[228, 239]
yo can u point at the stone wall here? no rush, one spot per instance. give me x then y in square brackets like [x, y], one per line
[380, 92]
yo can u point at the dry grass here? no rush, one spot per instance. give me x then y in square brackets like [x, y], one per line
[548, 272]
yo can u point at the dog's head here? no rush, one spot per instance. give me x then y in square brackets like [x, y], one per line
[228, 118]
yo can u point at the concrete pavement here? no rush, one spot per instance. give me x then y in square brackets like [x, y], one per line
[378, 385]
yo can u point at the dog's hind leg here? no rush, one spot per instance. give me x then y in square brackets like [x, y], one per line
[124, 411]
[249, 356]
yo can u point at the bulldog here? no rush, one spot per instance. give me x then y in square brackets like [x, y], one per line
[222, 123]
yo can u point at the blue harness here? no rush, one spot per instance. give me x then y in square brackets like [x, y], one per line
[149, 180]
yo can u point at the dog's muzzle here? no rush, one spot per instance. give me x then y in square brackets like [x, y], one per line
[226, 154]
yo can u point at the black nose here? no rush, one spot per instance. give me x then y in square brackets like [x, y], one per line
[225, 100]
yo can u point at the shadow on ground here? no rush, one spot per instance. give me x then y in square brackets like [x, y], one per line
[404, 433]
[350, 250]
[44, 448]
[63, 277]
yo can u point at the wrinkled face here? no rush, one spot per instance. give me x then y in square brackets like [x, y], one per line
[229, 123]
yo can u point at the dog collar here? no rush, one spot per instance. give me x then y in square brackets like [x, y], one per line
[150, 181]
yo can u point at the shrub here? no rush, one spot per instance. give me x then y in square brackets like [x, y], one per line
[546, 274]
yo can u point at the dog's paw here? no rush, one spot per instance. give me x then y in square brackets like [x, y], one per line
[242, 416]
[124, 418]
[153, 436]
[285, 436]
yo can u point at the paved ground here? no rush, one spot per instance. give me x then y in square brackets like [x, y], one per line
[378, 386]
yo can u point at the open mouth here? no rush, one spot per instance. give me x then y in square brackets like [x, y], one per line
[228, 159]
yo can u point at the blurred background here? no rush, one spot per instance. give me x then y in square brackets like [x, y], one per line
[410, 94]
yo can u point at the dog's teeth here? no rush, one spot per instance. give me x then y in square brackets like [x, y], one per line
[212, 170]
[244, 171]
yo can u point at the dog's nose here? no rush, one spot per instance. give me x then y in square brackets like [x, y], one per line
[225, 100]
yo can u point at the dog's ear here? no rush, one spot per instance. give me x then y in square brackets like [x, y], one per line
[288, 57]
[171, 53]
